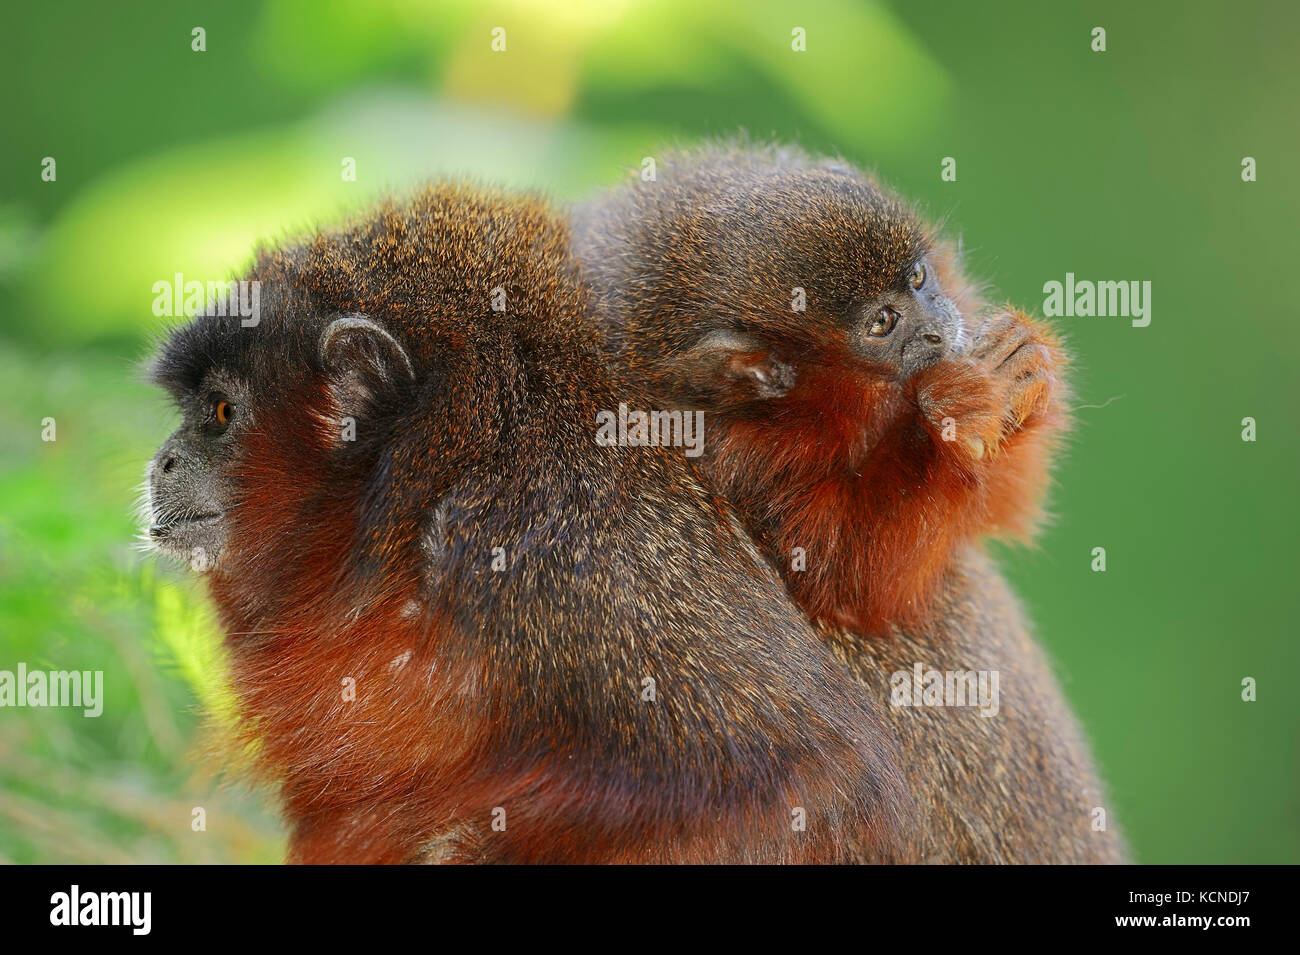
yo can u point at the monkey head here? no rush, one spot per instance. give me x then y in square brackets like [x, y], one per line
[740, 272]
[229, 393]
[316, 440]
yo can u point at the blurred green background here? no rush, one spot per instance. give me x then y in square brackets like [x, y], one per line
[1117, 165]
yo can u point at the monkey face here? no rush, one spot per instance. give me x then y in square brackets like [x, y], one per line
[908, 328]
[188, 485]
[267, 413]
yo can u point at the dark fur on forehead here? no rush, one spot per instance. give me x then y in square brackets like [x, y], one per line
[188, 353]
[424, 270]
[727, 231]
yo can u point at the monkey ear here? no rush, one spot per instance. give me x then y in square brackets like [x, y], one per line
[732, 367]
[363, 361]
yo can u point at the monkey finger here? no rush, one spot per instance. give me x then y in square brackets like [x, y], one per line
[1027, 397]
[1000, 337]
[1029, 359]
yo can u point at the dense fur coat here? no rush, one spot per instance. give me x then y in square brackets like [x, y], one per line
[884, 477]
[497, 588]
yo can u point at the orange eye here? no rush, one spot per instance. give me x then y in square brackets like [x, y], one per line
[223, 412]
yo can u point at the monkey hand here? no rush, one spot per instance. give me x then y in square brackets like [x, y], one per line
[962, 408]
[1022, 359]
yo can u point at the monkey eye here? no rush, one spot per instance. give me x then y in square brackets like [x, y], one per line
[917, 278]
[220, 410]
[884, 322]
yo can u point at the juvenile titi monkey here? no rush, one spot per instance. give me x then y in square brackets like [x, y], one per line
[461, 629]
[870, 419]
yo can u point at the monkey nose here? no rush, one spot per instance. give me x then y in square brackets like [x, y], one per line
[932, 338]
